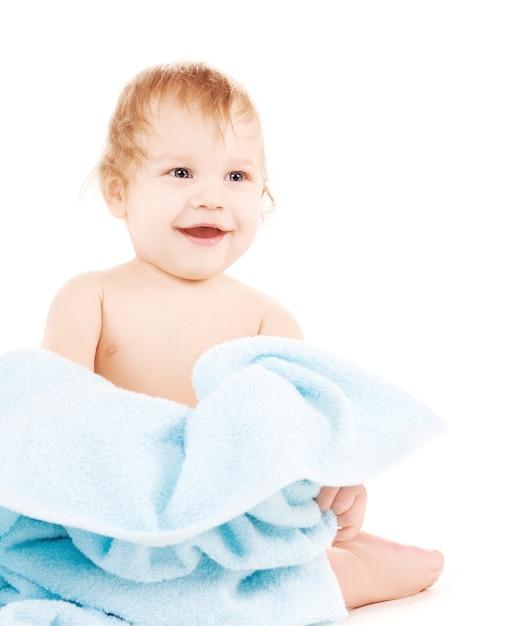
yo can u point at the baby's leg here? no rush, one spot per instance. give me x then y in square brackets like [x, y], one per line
[371, 569]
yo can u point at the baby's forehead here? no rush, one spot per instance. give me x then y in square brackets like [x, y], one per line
[240, 121]
[171, 120]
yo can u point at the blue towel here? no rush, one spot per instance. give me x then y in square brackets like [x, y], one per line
[117, 507]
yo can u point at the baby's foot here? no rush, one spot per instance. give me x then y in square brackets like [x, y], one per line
[372, 569]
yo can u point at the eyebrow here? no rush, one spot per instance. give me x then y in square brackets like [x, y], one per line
[159, 158]
[183, 158]
[243, 161]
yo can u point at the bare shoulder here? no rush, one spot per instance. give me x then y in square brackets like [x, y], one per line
[94, 283]
[274, 318]
[84, 290]
[278, 321]
[87, 282]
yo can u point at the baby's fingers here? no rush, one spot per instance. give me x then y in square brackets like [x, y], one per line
[326, 497]
[350, 502]
[349, 507]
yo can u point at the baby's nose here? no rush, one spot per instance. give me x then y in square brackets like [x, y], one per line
[208, 195]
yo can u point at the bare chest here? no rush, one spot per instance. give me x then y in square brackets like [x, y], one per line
[153, 348]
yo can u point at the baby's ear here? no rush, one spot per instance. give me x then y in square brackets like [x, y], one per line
[114, 194]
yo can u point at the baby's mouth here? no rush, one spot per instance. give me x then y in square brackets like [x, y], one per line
[203, 235]
[203, 232]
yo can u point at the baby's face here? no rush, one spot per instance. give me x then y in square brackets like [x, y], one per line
[193, 207]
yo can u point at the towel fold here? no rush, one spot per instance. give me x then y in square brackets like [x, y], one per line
[115, 505]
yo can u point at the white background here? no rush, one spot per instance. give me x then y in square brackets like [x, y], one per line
[387, 135]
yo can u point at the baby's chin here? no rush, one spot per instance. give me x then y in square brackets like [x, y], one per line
[193, 274]
[202, 271]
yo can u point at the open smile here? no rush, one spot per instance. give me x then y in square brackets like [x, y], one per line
[204, 235]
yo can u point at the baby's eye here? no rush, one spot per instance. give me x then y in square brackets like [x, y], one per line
[236, 177]
[179, 172]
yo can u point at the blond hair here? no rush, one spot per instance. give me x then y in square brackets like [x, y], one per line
[194, 85]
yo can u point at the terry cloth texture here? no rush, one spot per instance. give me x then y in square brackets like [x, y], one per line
[117, 507]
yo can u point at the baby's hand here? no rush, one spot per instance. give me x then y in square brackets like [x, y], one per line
[348, 504]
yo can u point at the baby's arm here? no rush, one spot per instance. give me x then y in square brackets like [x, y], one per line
[74, 321]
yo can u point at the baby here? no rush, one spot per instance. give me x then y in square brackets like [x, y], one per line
[184, 167]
